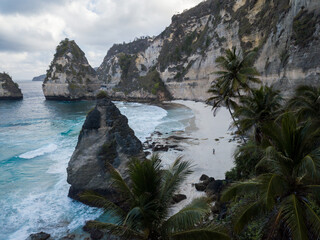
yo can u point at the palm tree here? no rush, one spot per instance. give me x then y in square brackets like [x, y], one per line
[289, 186]
[236, 74]
[306, 102]
[259, 107]
[149, 199]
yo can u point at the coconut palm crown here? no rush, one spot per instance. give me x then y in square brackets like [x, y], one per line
[235, 75]
[306, 103]
[149, 200]
[261, 106]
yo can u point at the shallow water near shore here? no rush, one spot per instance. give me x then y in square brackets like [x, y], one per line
[37, 139]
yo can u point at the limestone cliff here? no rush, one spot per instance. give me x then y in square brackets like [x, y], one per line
[70, 76]
[9, 90]
[285, 34]
[105, 138]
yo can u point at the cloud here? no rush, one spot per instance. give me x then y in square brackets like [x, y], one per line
[37, 27]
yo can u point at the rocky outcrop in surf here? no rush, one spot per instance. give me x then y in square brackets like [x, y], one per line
[9, 90]
[105, 138]
[70, 76]
[181, 60]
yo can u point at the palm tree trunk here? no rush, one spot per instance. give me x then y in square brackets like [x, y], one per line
[237, 125]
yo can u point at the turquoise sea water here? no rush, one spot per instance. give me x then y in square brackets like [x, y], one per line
[37, 139]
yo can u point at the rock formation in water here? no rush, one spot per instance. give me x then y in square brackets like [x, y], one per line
[39, 78]
[70, 76]
[105, 138]
[180, 62]
[9, 90]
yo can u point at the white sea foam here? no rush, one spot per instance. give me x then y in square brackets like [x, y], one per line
[39, 152]
[41, 202]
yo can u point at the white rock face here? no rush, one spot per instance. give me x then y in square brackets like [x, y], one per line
[214, 27]
[70, 77]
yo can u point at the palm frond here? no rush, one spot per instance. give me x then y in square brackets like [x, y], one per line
[100, 201]
[173, 178]
[187, 217]
[200, 234]
[119, 183]
[239, 188]
[293, 216]
[248, 214]
[313, 220]
[123, 232]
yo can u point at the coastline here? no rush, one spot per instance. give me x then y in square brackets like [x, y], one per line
[204, 133]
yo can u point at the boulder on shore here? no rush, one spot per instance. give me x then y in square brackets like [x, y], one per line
[9, 90]
[105, 138]
[39, 236]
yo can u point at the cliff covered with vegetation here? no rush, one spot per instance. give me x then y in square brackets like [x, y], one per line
[9, 90]
[284, 34]
[70, 76]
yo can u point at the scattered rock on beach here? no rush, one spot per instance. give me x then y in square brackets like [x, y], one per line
[204, 177]
[162, 148]
[200, 187]
[95, 234]
[178, 198]
[39, 236]
[215, 187]
[69, 237]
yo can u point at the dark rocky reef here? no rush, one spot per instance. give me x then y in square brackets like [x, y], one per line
[9, 90]
[105, 138]
[70, 76]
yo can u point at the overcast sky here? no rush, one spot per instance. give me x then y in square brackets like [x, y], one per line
[30, 30]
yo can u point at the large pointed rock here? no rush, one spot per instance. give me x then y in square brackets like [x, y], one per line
[9, 90]
[105, 138]
[70, 76]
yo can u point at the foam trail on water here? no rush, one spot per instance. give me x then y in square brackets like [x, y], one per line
[39, 152]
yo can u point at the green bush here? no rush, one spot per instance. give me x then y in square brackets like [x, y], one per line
[102, 95]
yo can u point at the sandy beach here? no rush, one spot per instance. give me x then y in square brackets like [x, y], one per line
[206, 133]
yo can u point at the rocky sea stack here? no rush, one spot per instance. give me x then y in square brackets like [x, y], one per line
[70, 76]
[9, 90]
[105, 138]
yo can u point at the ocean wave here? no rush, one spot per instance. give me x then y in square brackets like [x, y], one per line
[39, 152]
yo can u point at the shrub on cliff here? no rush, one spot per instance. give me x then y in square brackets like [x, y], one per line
[102, 95]
[149, 197]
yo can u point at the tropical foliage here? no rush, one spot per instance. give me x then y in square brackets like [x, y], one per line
[289, 185]
[306, 103]
[261, 106]
[146, 213]
[235, 75]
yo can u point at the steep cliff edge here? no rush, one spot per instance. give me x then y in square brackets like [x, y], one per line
[285, 34]
[105, 138]
[9, 90]
[70, 76]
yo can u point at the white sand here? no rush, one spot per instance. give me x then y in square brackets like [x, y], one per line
[205, 128]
